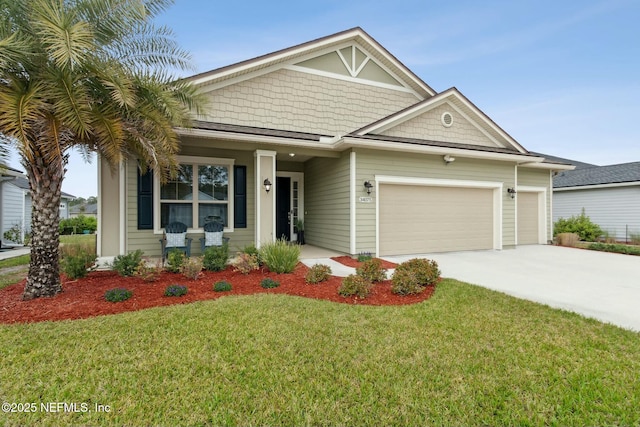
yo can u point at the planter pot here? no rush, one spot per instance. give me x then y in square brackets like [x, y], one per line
[301, 237]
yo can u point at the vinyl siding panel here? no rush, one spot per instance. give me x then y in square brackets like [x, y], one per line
[370, 163]
[615, 210]
[327, 202]
[11, 204]
[539, 178]
[293, 100]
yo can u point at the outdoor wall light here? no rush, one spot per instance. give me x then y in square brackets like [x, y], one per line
[267, 185]
[368, 185]
[512, 192]
[449, 159]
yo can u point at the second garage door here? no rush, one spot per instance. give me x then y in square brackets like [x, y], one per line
[417, 219]
[528, 221]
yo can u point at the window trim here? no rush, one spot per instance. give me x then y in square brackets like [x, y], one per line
[197, 161]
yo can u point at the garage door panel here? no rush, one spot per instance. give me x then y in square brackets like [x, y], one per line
[419, 219]
[528, 218]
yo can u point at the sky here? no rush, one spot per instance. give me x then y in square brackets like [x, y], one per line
[562, 77]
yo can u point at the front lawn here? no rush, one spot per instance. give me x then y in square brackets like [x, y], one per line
[467, 356]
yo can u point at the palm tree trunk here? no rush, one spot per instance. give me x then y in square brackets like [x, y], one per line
[45, 181]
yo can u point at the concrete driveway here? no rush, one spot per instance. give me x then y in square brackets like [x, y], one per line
[601, 285]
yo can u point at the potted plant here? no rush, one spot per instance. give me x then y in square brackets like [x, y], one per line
[300, 231]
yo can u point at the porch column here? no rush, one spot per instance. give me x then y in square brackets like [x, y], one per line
[265, 201]
[109, 240]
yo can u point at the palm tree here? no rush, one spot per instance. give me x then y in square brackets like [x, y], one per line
[90, 75]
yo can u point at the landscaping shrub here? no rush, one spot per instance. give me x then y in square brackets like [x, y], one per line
[364, 256]
[175, 291]
[78, 225]
[222, 286]
[126, 265]
[216, 257]
[245, 263]
[280, 256]
[318, 273]
[14, 234]
[620, 249]
[191, 268]
[567, 239]
[148, 273]
[581, 225]
[118, 295]
[78, 265]
[269, 283]
[412, 276]
[372, 271]
[252, 250]
[175, 259]
[354, 285]
[635, 238]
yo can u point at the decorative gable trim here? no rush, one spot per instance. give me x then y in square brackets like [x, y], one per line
[287, 57]
[454, 99]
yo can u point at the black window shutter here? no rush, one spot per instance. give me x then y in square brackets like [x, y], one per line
[145, 200]
[240, 196]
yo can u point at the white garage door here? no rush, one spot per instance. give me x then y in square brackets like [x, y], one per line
[418, 219]
[528, 220]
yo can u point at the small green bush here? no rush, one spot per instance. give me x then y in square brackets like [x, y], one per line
[269, 283]
[191, 268]
[78, 225]
[280, 256]
[581, 225]
[364, 256]
[148, 273]
[252, 250]
[175, 291]
[318, 273]
[355, 285]
[616, 248]
[222, 286]
[412, 276]
[77, 266]
[126, 265]
[216, 257]
[635, 238]
[118, 295]
[175, 259]
[245, 263]
[14, 234]
[372, 271]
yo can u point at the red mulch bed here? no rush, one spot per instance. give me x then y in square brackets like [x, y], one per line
[85, 297]
[353, 262]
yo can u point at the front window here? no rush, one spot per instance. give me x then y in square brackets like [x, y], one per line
[199, 194]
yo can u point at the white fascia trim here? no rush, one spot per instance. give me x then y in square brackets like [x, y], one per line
[122, 244]
[429, 149]
[542, 210]
[352, 202]
[433, 182]
[323, 144]
[596, 186]
[352, 79]
[551, 166]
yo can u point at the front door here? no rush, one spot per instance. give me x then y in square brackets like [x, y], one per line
[283, 207]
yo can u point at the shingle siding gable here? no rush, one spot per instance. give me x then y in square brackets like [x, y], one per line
[297, 101]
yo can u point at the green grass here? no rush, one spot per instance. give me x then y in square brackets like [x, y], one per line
[467, 356]
[86, 240]
[15, 261]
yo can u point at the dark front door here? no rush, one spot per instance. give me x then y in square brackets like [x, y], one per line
[283, 207]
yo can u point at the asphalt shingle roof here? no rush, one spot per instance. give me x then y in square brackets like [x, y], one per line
[594, 175]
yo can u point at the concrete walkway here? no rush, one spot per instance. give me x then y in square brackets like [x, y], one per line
[12, 253]
[600, 285]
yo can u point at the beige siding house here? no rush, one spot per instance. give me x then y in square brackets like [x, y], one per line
[351, 142]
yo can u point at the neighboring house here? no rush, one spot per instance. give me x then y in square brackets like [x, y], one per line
[609, 195]
[340, 134]
[85, 210]
[15, 203]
